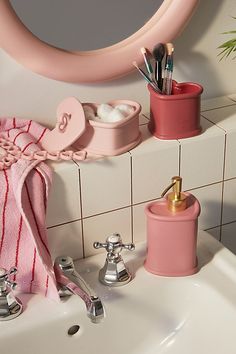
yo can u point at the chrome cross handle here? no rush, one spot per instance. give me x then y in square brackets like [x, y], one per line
[4, 279]
[114, 244]
[114, 272]
[10, 306]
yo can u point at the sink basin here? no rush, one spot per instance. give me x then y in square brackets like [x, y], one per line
[151, 314]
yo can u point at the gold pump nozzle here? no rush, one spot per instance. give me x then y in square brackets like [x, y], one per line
[176, 201]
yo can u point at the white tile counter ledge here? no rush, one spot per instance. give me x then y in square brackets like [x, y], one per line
[92, 199]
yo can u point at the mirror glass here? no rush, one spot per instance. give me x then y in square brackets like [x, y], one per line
[86, 24]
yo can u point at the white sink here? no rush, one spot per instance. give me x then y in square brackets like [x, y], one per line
[151, 314]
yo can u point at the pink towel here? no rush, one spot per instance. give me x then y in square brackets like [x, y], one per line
[23, 199]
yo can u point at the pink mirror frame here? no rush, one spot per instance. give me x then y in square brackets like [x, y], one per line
[97, 65]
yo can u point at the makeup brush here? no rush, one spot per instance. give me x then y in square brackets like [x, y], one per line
[167, 81]
[148, 64]
[154, 86]
[158, 54]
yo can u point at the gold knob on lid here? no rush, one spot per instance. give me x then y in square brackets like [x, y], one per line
[176, 200]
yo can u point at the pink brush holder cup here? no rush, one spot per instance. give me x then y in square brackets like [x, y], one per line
[176, 116]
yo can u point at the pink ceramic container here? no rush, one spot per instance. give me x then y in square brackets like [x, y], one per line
[111, 139]
[172, 238]
[176, 116]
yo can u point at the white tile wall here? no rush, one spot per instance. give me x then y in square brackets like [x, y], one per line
[105, 184]
[210, 199]
[215, 232]
[216, 102]
[115, 190]
[230, 165]
[224, 117]
[229, 201]
[139, 222]
[143, 120]
[232, 97]
[98, 228]
[66, 240]
[64, 197]
[228, 236]
[202, 157]
[154, 162]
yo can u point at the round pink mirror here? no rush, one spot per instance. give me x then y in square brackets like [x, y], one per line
[97, 65]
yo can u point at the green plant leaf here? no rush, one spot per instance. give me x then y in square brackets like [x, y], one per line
[228, 32]
[229, 51]
[230, 43]
[229, 46]
[226, 52]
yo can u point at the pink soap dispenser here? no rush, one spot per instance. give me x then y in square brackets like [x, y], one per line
[172, 226]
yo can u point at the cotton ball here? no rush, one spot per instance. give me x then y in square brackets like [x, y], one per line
[115, 115]
[103, 111]
[126, 109]
[89, 112]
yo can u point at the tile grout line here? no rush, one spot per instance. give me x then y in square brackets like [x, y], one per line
[231, 99]
[228, 223]
[218, 126]
[203, 186]
[212, 109]
[223, 185]
[220, 225]
[135, 204]
[148, 118]
[229, 179]
[107, 212]
[63, 223]
[81, 212]
[132, 204]
[212, 227]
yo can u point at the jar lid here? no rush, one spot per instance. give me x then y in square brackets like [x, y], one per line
[71, 124]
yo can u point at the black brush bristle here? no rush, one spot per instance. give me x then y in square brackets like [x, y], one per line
[158, 53]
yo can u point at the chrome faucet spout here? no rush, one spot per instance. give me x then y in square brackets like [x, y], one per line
[69, 279]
